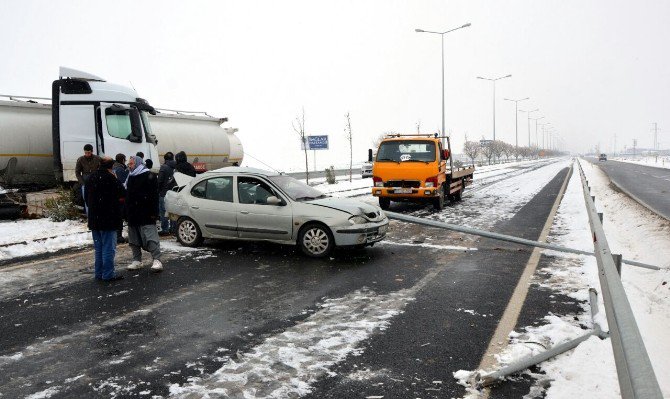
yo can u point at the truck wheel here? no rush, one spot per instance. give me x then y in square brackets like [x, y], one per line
[188, 232]
[315, 240]
[438, 203]
[384, 203]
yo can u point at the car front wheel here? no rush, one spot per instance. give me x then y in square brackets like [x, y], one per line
[315, 240]
[188, 232]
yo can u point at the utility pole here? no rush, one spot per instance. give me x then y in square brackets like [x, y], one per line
[655, 136]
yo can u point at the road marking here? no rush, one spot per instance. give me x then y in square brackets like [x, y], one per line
[500, 337]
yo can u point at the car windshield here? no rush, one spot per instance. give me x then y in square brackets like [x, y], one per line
[406, 151]
[297, 190]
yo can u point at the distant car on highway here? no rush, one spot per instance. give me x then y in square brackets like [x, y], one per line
[252, 204]
[602, 157]
[366, 170]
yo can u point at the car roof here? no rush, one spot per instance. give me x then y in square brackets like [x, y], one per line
[243, 170]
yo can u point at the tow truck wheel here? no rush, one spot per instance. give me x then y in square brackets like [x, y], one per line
[384, 203]
[438, 203]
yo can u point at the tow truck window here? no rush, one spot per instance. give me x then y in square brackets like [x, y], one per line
[409, 150]
[118, 123]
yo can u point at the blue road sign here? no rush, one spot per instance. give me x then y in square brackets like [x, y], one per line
[317, 142]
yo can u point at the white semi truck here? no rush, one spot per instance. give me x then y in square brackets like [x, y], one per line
[41, 142]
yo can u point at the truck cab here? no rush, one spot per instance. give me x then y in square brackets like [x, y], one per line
[416, 168]
[88, 110]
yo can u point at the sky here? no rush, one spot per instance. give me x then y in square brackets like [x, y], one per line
[596, 69]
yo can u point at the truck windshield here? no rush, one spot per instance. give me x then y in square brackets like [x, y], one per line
[297, 190]
[406, 151]
[147, 127]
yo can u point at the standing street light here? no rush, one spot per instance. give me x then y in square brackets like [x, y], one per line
[544, 135]
[537, 144]
[516, 123]
[529, 112]
[494, 80]
[442, 37]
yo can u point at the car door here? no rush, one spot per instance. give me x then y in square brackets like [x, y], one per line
[212, 207]
[258, 219]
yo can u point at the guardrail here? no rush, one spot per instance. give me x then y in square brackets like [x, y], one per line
[636, 375]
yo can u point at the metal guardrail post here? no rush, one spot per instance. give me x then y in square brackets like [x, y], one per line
[484, 380]
[636, 375]
[617, 262]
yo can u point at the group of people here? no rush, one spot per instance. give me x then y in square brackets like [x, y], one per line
[113, 192]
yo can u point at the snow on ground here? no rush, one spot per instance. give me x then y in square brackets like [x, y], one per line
[286, 365]
[589, 370]
[32, 237]
[658, 162]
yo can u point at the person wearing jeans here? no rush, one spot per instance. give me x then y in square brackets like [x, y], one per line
[103, 195]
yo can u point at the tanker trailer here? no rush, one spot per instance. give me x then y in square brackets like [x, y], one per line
[206, 144]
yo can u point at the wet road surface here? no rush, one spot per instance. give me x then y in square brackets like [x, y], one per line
[393, 320]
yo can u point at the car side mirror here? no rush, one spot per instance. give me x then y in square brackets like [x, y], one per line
[272, 200]
[369, 154]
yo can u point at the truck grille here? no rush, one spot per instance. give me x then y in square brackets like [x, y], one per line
[403, 183]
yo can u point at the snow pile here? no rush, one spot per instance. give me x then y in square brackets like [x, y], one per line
[658, 162]
[31, 237]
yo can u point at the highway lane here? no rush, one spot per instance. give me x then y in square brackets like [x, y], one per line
[63, 335]
[646, 184]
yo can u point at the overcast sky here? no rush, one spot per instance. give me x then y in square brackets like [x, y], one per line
[595, 69]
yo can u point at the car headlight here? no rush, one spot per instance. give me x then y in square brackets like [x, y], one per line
[357, 220]
[429, 184]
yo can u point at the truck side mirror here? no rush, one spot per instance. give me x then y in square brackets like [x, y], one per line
[369, 154]
[135, 126]
[445, 154]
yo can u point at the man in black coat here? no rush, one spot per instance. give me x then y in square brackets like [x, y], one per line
[103, 195]
[165, 182]
[142, 214]
[182, 164]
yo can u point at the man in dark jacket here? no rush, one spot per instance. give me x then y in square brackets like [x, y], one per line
[103, 195]
[121, 172]
[142, 208]
[86, 164]
[165, 183]
[183, 166]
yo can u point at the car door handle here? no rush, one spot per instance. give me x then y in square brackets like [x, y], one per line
[244, 212]
[195, 207]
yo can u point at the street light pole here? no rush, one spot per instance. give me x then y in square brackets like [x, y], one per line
[537, 119]
[442, 42]
[494, 80]
[529, 112]
[516, 124]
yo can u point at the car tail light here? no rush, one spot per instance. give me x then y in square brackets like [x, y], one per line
[431, 181]
[377, 181]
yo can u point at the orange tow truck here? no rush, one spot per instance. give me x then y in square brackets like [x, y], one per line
[416, 168]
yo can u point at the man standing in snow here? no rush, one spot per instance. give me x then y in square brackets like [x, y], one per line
[103, 195]
[86, 164]
[165, 182]
[142, 208]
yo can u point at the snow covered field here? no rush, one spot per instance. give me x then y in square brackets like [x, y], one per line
[632, 230]
[658, 162]
[32, 237]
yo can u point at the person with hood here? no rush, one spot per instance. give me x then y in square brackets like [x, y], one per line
[103, 195]
[142, 213]
[165, 183]
[183, 166]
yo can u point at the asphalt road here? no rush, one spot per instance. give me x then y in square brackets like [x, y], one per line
[401, 317]
[646, 184]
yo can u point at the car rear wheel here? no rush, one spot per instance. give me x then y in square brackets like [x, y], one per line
[384, 203]
[316, 240]
[188, 232]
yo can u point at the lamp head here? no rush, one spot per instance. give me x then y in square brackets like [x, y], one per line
[419, 30]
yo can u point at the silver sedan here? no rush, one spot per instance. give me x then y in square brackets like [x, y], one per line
[252, 204]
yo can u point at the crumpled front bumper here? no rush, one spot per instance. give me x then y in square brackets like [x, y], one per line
[361, 234]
